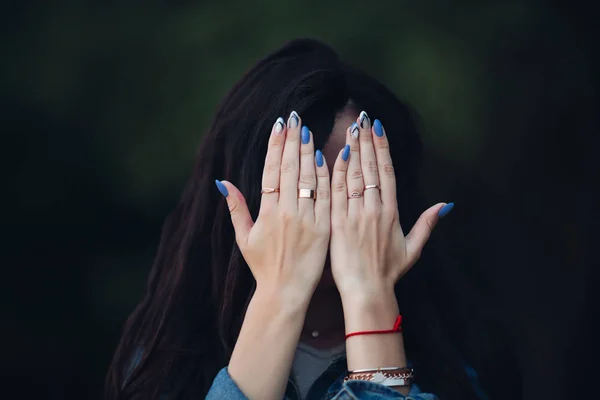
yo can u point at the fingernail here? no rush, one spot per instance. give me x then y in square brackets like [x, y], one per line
[354, 130]
[278, 127]
[346, 152]
[293, 120]
[222, 188]
[378, 128]
[445, 210]
[305, 135]
[364, 120]
[319, 157]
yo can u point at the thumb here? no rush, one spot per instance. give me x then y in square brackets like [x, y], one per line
[420, 233]
[240, 215]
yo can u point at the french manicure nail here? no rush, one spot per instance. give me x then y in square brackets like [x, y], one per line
[445, 210]
[354, 130]
[364, 120]
[346, 152]
[378, 128]
[222, 188]
[293, 120]
[305, 135]
[319, 158]
[278, 127]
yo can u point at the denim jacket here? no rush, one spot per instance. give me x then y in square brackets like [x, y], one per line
[330, 386]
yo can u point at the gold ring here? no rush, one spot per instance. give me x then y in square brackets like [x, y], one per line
[372, 187]
[355, 195]
[269, 190]
[307, 194]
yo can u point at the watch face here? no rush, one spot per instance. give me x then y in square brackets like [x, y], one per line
[378, 377]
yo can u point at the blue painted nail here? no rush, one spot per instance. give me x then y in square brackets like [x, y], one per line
[346, 152]
[305, 135]
[378, 128]
[222, 188]
[445, 210]
[319, 157]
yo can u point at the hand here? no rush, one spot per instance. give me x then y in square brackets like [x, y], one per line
[286, 247]
[369, 251]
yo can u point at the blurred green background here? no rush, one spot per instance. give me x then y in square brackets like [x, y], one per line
[103, 106]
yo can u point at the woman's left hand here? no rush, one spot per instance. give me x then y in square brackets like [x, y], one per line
[369, 252]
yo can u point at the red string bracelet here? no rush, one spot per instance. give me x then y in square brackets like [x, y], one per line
[396, 328]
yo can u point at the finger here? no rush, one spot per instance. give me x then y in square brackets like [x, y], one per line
[240, 215]
[420, 233]
[387, 178]
[368, 162]
[308, 178]
[270, 179]
[323, 202]
[354, 177]
[339, 188]
[290, 165]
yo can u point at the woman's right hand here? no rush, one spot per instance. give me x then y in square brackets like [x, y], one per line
[286, 247]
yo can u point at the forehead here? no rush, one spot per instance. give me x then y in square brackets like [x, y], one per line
[337, 140]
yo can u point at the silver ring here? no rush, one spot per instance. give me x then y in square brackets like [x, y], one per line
[307, 194]
[372, 187]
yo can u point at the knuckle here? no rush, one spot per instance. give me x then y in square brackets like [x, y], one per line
[233, 207]
[365, 137]
[387, 168]
[288, 216]
[272, 167]
[373, 212]
[339, 187]
[323, 194]
[306, 150]
[322, 173]
[277, 141]
[288, 166]
[370, 166]
[391, 214]
[292, 137]
[429, 224]
[356, 174]
[339, 167]
[266, 209]
[382, 144]
[307, 179]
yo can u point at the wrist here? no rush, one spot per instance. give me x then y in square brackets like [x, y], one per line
[280, 301]
[368, 310]
[369, 296]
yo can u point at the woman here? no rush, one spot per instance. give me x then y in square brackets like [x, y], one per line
[260, 310]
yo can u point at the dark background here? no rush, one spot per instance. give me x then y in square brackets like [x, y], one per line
[103, 106]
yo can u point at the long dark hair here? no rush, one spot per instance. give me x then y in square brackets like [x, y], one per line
[200, 285]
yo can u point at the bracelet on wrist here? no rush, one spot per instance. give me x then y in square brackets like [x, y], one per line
[388, 376]
[396, 328]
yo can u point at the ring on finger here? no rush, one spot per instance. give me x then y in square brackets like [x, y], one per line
[269, 190]
[307, 194]
[372, 187]
[355, 195]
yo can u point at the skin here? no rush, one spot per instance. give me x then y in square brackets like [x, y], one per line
[325, 313]
[286, 250]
